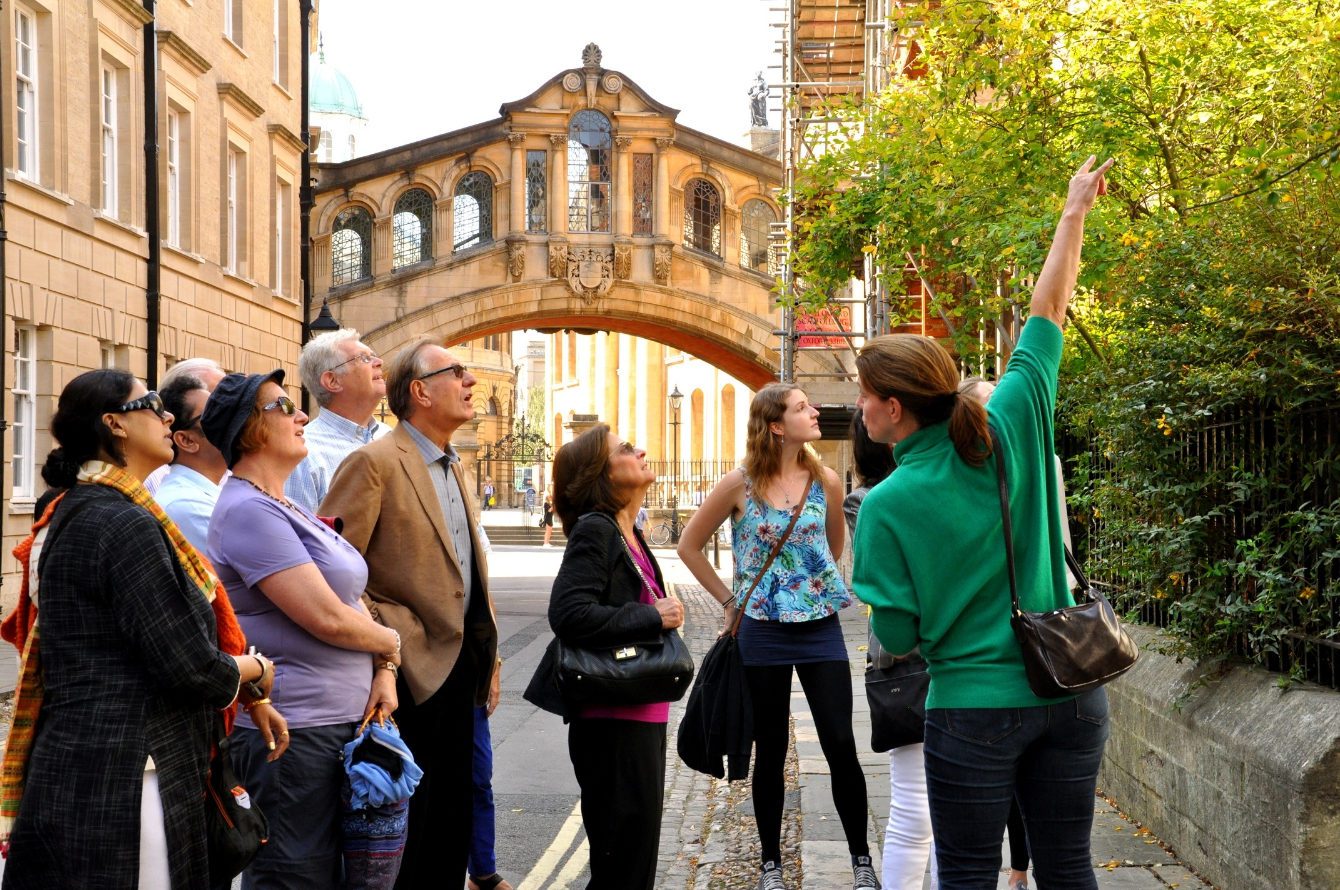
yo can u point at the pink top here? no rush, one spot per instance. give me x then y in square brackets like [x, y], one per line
[657, 712]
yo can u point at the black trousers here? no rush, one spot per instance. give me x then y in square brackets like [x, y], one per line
[827, 686]
[620, 766]
[441, 733]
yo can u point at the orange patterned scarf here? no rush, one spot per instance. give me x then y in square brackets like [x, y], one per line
[21, 629]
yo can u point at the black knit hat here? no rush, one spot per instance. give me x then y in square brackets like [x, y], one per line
[229, 406]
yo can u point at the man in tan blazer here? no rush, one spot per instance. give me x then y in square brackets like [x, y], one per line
[407, 509]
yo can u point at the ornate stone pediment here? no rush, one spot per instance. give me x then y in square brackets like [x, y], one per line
[590, 272]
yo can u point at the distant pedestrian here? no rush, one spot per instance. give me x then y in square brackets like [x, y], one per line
[547, 519]
[609, 592]
[790, 605]
[489, 496]
[937, 579]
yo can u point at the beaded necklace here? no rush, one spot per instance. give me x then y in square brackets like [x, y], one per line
[281, 501]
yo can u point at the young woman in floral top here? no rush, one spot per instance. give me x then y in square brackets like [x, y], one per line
[790, 617]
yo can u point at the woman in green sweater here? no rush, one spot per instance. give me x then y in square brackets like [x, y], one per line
[936, 578]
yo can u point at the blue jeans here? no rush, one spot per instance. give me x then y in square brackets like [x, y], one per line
[979, 759]
[482, 861]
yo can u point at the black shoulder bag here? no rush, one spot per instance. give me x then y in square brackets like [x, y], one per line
[1071, 650]
[634, 673]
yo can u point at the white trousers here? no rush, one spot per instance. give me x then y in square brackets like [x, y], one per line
[908, 844]
[153, 837]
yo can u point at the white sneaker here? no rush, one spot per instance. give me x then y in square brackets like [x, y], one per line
[771, 878]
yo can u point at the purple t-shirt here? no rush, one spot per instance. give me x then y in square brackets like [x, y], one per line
[252, 537]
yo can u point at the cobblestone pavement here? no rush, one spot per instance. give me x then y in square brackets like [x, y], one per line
[708, 839]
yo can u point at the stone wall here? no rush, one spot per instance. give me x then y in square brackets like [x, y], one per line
[1240, 777]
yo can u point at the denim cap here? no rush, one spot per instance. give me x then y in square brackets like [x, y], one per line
[229, 406]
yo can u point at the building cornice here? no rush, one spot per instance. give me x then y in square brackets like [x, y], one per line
[171, 42]
[133, 10]
[286, 136]
[234, 94]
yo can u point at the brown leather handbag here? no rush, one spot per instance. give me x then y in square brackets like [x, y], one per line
[1071, 650]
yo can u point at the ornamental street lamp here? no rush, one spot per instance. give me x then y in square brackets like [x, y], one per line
[675, 398]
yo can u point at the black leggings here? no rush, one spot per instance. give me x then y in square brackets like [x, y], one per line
[827, 686]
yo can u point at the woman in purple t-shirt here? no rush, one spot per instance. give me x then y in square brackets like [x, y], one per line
[609, 592]
[296, 586]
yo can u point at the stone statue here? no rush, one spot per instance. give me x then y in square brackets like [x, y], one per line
[758, 101]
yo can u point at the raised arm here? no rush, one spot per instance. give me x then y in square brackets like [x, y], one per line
[1056, 282]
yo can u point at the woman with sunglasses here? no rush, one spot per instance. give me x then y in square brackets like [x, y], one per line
[609, 592]
[138, 649]
[296, 585]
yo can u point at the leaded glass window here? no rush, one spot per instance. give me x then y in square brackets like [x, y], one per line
[702, 216]
[644, 186]
[412, 229]
[472, 211]
[589, 172]
[755, 222]
[537, 207]
[351, 246]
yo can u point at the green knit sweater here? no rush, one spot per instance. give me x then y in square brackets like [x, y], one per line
[929, 547]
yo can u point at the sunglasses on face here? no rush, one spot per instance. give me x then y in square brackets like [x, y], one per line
[283, 403]
[150, 400]
[458, 369]
[181, 426]
[626, 448]
[366, 358]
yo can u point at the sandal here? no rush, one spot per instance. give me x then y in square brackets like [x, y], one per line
[494, 881]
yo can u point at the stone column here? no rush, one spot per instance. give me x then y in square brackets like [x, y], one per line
[381, 246]
[623, 186]
[517, 224]
[662, 213]
[442, 223]
[558, 184]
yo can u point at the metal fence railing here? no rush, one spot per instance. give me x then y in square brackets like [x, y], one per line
[1290, 459]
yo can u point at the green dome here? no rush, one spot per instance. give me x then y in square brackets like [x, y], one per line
[331, 92]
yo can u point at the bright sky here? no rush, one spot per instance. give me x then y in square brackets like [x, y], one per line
[424, 67]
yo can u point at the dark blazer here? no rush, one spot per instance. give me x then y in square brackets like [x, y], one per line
[132, 669]
[595, 601]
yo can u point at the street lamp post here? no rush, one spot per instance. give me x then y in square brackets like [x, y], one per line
[675, 398]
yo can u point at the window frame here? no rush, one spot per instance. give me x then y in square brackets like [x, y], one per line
[172, 155]
[27, 81]
[363, 268]
[483, 234]
[582, 193]
[692, 220]
[422, 247]
[745, 242]
[108, 140]
[23, 463]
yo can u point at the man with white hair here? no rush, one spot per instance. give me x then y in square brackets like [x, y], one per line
[208, 372]
[345, 378]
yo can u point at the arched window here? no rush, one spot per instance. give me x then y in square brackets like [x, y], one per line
[472, 211]
[702, 216]
[327, 147]
[353, 146]
[755, 221]
[351, 246]
[589, 172]
[492, 406]
[412, 228]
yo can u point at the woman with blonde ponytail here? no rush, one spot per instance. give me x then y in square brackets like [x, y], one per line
[930, 561]
[790, 605]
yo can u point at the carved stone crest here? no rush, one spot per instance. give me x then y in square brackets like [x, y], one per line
[591, 57]
[623, 261]
[661, 265]
[590, 272]
[516, 259]
[558, 260]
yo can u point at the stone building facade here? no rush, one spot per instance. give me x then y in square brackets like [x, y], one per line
[77, 258]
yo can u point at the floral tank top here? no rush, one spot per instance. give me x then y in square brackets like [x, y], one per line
[803, 583]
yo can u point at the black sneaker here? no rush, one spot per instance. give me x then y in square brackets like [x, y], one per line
[771, 878]
[863, 874]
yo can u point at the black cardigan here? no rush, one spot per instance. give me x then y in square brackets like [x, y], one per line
[595, 601]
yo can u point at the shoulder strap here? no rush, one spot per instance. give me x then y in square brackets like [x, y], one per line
[999, 453]
[776, 548]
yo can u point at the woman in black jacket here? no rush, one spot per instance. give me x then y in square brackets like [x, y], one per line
[609, 592]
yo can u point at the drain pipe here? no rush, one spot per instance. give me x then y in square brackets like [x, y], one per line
[153, 297]
[306, 197]
[5, 494]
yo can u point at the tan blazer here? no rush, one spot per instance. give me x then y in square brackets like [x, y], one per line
[391, 513]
